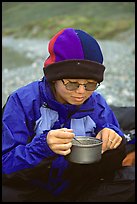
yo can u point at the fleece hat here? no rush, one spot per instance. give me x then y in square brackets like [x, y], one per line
[74, 54]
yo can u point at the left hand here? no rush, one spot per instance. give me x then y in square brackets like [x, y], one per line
[111, 140]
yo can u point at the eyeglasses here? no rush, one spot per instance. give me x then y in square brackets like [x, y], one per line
[90, 86]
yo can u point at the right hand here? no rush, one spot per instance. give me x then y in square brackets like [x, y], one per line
[60, 140]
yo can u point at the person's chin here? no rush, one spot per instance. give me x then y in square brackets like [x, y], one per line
[77, 102]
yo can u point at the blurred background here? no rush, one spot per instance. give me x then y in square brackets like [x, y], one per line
[27, 28]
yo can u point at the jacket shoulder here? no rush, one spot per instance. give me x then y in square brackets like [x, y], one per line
[99, 99]
[27, 92]
[26, 97]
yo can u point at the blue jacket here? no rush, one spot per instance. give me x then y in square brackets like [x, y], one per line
[30, 113]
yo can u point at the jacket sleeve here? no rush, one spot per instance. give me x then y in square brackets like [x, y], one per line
[20, 149]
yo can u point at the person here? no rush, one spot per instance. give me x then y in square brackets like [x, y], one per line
[41, 119]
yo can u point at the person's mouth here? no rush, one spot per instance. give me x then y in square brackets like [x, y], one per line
[79, 99]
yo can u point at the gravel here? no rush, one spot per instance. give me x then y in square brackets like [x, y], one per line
[118, 86]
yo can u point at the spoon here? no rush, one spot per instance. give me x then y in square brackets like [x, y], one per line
[77, 140]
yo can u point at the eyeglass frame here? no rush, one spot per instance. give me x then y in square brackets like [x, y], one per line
[97, 85]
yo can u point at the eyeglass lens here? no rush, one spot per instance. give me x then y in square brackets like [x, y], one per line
[75, 85]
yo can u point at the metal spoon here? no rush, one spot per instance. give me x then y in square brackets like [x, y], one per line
[77, 140]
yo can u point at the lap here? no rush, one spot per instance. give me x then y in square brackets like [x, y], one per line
[119, 189]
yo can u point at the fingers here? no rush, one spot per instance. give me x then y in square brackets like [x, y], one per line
[62, 133]
[66, 130]
[110, 138]
[62, 149]
[101, 136]
[129, 160]
[59, 140]
[114, 142]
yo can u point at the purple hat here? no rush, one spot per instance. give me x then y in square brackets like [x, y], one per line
[74, 54]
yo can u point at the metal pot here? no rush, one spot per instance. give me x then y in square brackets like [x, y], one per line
[87, 151]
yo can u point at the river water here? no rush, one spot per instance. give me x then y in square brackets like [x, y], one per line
[22, 63]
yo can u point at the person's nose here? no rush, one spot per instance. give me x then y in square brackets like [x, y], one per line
[81, 89]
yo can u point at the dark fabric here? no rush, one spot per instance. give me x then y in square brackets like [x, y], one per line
[79, 69]
[120, 188]
[125, 116]
[126, 119]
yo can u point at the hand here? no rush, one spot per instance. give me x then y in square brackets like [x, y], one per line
[111, 140]
[129, 160]
[59, 140]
